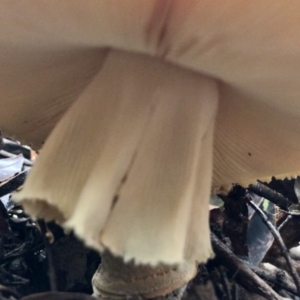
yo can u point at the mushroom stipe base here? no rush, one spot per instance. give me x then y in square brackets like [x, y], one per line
[115, 279]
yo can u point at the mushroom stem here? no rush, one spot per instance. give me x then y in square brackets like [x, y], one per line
[116, 279]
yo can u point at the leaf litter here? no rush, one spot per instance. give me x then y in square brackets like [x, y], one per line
[252, 231]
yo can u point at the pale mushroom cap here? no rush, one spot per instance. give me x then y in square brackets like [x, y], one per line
[55, 52]
[49, 52]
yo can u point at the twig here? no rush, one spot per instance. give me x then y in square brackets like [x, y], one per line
[280, 280]
[225, 282]
[248, 279]
[51, 270]
[278, 238]
[60, 296]
[284, 222]
[262, 190]
[13, 183]
[10, 291]
[27, 162]
[235, 292]
[280, 262]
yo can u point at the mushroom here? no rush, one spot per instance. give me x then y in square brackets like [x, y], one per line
[138, 98]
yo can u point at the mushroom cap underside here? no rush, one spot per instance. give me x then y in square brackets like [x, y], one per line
[50, 52]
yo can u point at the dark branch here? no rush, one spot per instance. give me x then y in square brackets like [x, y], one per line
[248, 279]
[278, 238]
[262, 190]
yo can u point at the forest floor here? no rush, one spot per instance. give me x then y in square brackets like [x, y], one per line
[252, 230]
